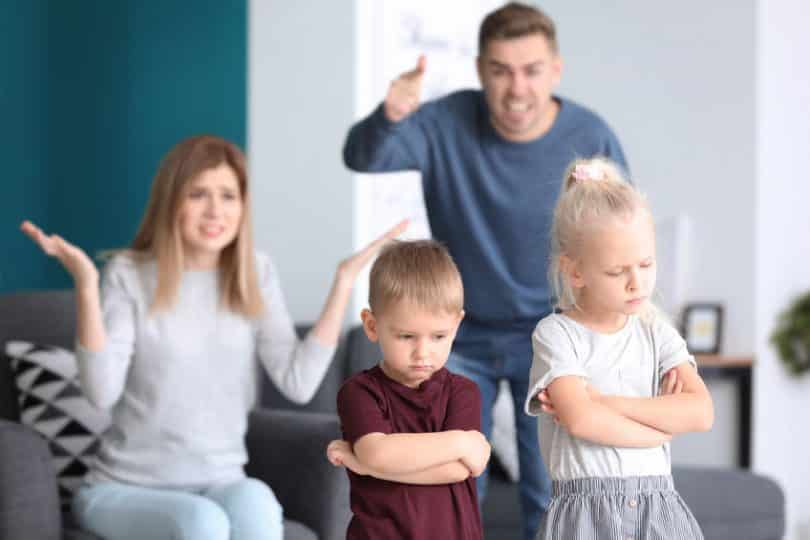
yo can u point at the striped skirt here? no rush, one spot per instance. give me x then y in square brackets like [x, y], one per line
[634, 508]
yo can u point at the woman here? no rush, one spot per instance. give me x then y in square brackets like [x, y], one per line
[169, 342]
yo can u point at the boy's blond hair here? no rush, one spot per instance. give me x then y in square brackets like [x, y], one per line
[418, 271]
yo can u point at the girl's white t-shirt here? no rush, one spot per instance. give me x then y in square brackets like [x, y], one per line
[628, 363]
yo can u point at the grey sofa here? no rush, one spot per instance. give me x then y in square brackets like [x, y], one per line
[286, 445]
[286, 448]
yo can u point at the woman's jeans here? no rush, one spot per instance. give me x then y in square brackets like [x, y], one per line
[243, 510]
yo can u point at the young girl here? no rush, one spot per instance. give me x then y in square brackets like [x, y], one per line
[612, 375]
[170, 345]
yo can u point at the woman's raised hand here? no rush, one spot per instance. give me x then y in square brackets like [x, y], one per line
[350, 267]
[75, 261]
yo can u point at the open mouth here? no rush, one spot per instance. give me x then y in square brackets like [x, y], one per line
[212, 232]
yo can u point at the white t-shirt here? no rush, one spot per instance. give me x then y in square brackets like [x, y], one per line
[628, 363]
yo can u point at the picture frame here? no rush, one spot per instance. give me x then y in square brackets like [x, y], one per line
[703, 327]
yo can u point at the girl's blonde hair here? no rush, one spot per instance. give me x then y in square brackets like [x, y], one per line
[159, 238]
[594, 192]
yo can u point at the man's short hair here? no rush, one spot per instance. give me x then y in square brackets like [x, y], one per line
[516, 20]
[418, 271]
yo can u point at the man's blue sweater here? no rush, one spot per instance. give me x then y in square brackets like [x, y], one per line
[489, 200]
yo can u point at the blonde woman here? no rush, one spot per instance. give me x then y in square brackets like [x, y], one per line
[168, 342]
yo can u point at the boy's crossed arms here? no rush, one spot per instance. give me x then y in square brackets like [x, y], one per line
[443, 457]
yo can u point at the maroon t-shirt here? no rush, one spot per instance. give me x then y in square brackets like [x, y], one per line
[370, 402]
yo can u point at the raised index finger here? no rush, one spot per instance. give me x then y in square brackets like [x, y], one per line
[418, 71]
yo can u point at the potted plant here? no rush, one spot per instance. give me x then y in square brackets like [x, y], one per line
[792, 336]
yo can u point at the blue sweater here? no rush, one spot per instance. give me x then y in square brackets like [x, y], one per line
[489, 200]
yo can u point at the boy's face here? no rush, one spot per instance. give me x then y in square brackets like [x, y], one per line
[415, 342]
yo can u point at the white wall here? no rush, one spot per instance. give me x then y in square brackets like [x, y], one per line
[300, 103]
[675, 81]
[781, 435]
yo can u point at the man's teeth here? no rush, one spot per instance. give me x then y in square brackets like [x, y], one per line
[517, 106]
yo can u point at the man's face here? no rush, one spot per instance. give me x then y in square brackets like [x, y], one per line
[518, 77]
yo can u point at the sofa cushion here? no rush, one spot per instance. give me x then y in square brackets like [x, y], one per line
[52, 403]
[732, 503]
[30, 507]
[362, 353]
[296, 531]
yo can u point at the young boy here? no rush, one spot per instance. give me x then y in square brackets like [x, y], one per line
[413, 444]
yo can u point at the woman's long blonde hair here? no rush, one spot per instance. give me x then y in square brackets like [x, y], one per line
[159, 238]
[593, 190]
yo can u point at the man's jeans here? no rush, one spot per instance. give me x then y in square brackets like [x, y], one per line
[535, 484]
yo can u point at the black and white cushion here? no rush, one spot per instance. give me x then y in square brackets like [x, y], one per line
[51, 402]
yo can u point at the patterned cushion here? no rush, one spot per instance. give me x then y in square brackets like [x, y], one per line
[52, 403]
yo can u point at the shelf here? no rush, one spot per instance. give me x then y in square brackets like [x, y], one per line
[722, 361]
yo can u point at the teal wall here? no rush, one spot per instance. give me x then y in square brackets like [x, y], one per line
[23, 138]
[125, 81]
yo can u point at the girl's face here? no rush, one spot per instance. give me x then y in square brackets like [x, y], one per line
[616, 272]
[210, 215]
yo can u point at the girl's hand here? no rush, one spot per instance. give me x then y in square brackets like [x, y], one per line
[547, 406]
[340, 454]
[75, 261]
[349, 268]
[670, 384]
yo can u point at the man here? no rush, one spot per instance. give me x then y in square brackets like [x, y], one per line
[492, 165]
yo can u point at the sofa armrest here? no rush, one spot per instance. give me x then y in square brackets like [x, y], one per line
[287, 450]
[29, 496]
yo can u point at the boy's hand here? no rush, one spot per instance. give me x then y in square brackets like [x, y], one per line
[670, 384]
[337, 451]
[477, 455]
[340, 454]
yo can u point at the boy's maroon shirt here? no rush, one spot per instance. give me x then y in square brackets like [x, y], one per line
[371, 402]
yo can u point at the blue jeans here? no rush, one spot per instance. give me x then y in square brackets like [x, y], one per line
[535, 484]
[243, 510]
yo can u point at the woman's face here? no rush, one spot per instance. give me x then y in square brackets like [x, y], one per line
[210, 216]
